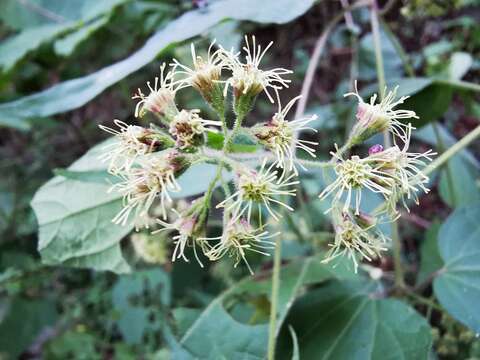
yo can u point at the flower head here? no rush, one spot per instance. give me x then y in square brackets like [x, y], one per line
[161, 99]
[239, 237]
[186, 226]
[141, 185]
[205, 75]
[405, 169]
[247, 79]
[353, 175]
[257, 189]
[187, 127]
[280, 136]
[352, 240]
[373, 118]
[130, 142]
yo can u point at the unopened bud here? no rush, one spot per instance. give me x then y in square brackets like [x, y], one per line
[375, 149]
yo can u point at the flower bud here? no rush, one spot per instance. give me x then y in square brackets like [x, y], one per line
[205, 76]
[179, 162]
[187, 128]
[373, 118]
[161, 100]
[375, 149]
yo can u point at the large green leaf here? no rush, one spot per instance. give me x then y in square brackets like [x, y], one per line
[152, 289]
[458, 285]
[58, 17]
[20, 15]
[21, 321]
[366, 58]
[430, 260]
[74, 214]
[74, 93]
[345, 320]
[216, 334]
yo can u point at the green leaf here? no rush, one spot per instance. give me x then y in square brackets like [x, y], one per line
[95, 176]
[460, 63]
[367, 66]
[236, 340]
[62, 19]
[67, 45]
[75, 211]
[430, 260]
[74, 93]
[15, 48]
[463, 183]
[344, 320]
[73, 342]
[458, 285]
[430, 104]
[20, 15]
[22, 322]
[128, 294]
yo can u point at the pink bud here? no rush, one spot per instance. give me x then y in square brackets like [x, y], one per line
[375, 149]
[361, 111]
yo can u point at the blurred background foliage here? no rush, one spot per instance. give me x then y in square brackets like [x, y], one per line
[68, 66]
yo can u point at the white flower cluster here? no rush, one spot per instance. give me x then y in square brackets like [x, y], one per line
[394, 173]
[149, 160]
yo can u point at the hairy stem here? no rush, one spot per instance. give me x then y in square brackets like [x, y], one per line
[272, 331]
[227, 145]
[451, 151]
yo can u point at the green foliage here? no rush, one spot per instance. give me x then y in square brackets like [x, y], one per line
[50, 308]
[76, 92]
[458, 284]
[228, 336]
[75, 211]
[54, 18]
[359, 325]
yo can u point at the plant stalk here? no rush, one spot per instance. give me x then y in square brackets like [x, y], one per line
[272, 331]
[451, 151]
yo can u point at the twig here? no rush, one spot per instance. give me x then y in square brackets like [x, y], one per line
[317, 53]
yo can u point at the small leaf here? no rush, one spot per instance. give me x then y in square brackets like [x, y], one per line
[458, 285]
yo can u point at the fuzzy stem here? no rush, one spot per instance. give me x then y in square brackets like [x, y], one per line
[451, 151]
[274, 299]
[227, 145]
